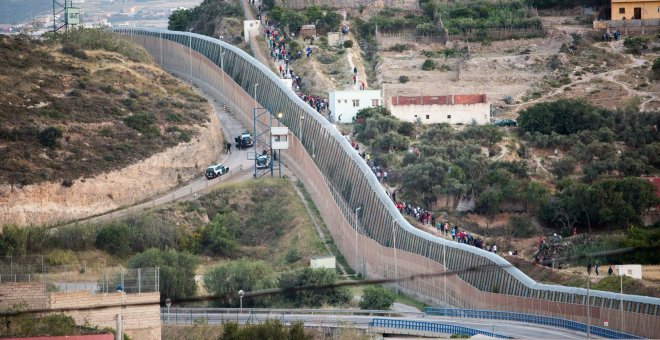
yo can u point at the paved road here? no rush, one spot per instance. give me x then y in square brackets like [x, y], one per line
[516, 330]
[240, 167]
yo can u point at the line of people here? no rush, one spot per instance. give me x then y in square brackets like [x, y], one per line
[428, 218]
[277, 42]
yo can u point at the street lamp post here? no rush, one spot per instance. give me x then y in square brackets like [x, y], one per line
[588, 308]
[168, 303]
[240, 298]
[255, 95]
[222, 66]
[356, 240]
[190, 52]
[396, 267]
[302, 121]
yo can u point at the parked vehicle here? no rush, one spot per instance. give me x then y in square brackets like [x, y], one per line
[215, 170]
[263, 162]
[506, 122]
[244, 141]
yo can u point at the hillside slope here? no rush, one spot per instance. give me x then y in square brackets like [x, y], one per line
[85, 116]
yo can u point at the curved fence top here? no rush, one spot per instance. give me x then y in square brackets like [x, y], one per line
[375, 184]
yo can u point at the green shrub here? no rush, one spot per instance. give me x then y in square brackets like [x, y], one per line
[73, 50]
[521, 226]
[403, 79]
[227, 279]
[399, 47]
[75, 237]
[20, 241]
[270, 329]
[656, 69]
[291, 256]
[60, 257]
[313, 298]
[29, 325]
[428, 65]
[49, 137]
[144, 123]
[634, 45]
[348, 43]
[177, 271]
[376, 298]
[114, 238]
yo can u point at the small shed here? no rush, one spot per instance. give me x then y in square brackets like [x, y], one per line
[632, 270]
[327, 262]
[308, 31]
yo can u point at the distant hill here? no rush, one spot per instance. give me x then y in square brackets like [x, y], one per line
[14, 11]
[84, 103]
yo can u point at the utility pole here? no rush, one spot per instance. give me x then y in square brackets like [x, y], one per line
[356, 240]
[396, 267]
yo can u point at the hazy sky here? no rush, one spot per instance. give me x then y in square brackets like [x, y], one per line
[14, 11]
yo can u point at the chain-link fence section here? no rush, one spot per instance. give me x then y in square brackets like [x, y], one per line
[79, 277]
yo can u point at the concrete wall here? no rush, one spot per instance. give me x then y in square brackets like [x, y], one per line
[452, 114]
[342, 105]
[140, 321]
[632, 270]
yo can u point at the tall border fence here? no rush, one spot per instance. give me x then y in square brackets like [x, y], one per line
[380, 241]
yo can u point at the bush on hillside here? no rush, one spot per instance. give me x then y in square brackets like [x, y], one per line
[428, 65]
[50, 136]
[313, 298]
[177, 271]
[376, 298]
[227, 279]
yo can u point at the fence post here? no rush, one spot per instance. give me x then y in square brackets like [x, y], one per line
[139, 280]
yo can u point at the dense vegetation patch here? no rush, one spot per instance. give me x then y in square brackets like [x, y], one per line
[84, 102]
[612, 148]
[204, 18]
[482, 15]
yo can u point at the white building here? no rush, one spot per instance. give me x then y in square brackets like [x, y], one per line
[632, 270]
[452, 109]
[251, 28]
[327, 262]
[344, 105]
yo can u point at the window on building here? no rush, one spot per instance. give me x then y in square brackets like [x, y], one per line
[427, 117]
[622, 10]
[356, 102]
[374, 102]
[658, 9]
[448, 116]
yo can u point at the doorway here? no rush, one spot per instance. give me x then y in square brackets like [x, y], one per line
[638, 13]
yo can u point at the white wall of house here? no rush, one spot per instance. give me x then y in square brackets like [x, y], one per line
[328, 262]
[632, 270]
[345, 104]
[452, 114]
[251, 28]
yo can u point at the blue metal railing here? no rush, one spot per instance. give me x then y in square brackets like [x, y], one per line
[529, 318]
[424, 326]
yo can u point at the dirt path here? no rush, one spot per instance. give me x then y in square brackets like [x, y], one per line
[609, 76]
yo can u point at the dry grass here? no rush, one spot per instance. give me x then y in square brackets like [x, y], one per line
[651, 273]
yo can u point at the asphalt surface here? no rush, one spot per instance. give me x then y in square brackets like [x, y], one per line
[516, 330]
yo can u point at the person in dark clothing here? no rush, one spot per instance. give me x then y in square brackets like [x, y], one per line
[610, 271]
[589, 269]
[229, 148]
